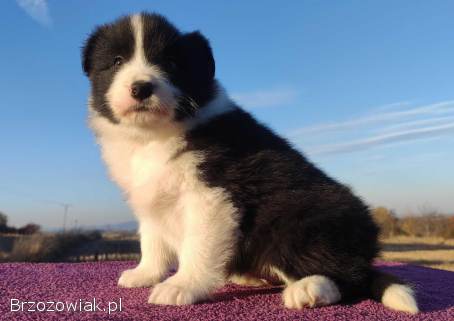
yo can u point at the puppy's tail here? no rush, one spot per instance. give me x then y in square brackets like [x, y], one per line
[393, 292]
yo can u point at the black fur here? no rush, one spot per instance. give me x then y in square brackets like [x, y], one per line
[294, 217]
[105, 43]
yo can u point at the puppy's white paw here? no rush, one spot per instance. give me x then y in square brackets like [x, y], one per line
[311, 291]
[170, 293]
[137, 278]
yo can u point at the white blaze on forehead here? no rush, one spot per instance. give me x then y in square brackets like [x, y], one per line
[137, 27]
[144, 70]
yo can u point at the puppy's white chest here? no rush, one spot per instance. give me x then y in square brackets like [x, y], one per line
[142, 168]
[148, 164]
[155, 183]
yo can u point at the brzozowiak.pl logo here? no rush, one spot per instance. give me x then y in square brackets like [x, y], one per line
[80, 305]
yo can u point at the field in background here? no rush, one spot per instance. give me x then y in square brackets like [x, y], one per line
[433, 252]
[73, 246]
[96, 246]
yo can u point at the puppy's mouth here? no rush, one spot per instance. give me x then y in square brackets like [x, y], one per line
[147, 109]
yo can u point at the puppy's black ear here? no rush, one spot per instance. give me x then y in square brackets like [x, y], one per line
[87, 51]
[196, 56]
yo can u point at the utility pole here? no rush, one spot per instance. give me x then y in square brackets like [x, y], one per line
[65, 215]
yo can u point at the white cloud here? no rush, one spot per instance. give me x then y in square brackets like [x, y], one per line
[389, 138]
[441, 108]
[418, 123]
[378, 128]
[392, 106]
[37, 9]
[266, 98]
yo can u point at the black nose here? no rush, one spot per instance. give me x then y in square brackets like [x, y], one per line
[141, 90]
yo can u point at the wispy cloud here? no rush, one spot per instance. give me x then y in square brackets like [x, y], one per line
[266, 98]
[37, 9]
[440, 108]
[394, 137]
[418, 123]
[392, 106]
[378, 128]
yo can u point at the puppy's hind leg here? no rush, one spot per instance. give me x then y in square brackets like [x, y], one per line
[247, 280]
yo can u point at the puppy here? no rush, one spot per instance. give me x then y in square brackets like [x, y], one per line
[215, 191]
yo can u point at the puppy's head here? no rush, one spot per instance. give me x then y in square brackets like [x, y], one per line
[144, 72]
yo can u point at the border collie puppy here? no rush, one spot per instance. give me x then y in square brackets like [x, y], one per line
[214, 191]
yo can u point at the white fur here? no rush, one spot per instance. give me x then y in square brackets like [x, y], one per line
[181, 219]
[401, 298]
[221, 104]
[311, 291]
[281, 276]
[157, 257]
[247, 280]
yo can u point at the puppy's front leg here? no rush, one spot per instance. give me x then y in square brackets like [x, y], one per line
[210, 231]
[154, 262]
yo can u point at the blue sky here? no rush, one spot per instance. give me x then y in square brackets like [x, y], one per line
[364, 88]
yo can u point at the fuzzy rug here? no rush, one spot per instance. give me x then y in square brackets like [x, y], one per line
[92, 286]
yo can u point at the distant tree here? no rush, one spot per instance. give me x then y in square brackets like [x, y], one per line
[410, 225]
[3, 219]
[29, 229]
[428, 222]
[386, 220]
[449, 229]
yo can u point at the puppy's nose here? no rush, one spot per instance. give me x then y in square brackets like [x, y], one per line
[141, 90]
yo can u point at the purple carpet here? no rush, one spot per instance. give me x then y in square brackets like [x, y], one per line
[74, 286]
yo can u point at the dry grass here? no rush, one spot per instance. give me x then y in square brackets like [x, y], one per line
[427, 251]
[74, 246]
[47, 247]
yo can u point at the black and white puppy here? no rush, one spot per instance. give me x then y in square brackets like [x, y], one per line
[215, 191]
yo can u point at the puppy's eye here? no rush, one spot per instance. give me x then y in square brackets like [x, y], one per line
[118, 60]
